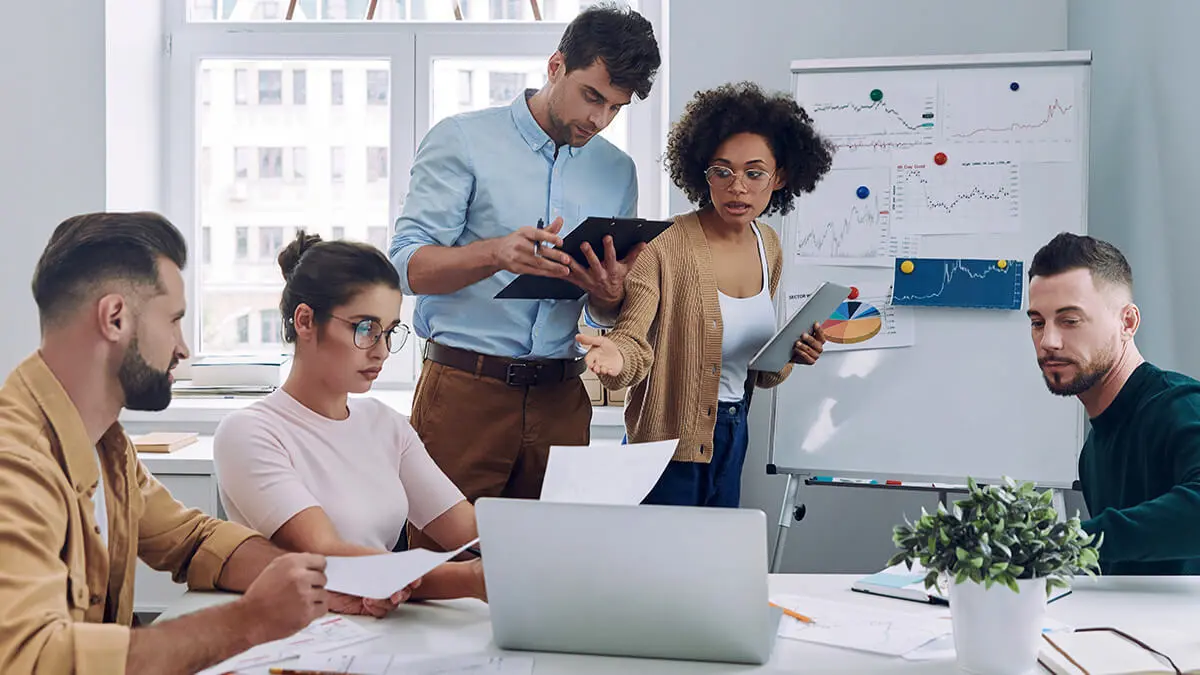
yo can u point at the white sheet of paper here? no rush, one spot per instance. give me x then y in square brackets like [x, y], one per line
[858, 627]
[607, 474]
[468, 665]
[325, 634]
[379, 576]
[942, 649]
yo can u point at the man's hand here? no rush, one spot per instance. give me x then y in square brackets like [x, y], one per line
[809, 347]
[479, 584]
[288, 595]
[604, 281]
[603, 357]
[522, 252]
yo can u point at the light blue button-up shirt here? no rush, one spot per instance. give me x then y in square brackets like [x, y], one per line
[482, 175]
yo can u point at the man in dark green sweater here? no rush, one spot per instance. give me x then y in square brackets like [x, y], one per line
[1140, 465]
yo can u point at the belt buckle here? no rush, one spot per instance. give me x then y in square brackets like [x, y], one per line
[521, 374]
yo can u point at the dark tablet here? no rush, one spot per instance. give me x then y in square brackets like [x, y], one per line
[626, 233]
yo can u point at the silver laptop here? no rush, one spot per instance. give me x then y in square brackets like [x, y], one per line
[646, 581]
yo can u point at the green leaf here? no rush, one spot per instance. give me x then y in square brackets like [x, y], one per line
[1011, 583]
[975, 562]
[961, 553]
[997, 568]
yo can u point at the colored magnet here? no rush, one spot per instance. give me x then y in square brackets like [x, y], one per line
[1014, 86]
[939, 158]
[853, 293]
[876, 95]
[906, 266]
[1002, 264]
[863, 192]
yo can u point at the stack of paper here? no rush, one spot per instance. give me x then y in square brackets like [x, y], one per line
[326, 634]
[386, 664]
[857, 627]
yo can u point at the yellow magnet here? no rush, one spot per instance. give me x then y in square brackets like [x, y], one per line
[1002, 264]
[906, 267]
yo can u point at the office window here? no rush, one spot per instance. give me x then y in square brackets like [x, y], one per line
[270, 242]
[299, 87]
[377, 164]
[205, 87]
[337, 84]
[241, 86]
[270, 162]
[241, 243]
[203, 10]
[241, 162]
[267, 10]
[466, 88]
[206, 167]
[504, 87]
[377, 87]
[243, 329]
[270, 87]
[338, 232]
[270, 326]
[299, 164]
[377, 236]
[337, 165]
[206, 245]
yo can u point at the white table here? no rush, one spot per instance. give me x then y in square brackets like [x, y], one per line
[462, 627]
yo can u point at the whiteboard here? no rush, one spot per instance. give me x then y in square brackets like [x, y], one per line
[966, 398]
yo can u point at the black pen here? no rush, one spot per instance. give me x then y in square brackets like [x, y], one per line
[474, 550]
[537, 246]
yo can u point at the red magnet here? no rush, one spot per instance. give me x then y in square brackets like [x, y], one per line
[853, 293]
[939, 158]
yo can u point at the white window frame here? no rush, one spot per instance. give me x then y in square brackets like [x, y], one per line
[410, 48]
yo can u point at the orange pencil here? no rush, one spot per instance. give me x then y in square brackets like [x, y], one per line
[795, 615]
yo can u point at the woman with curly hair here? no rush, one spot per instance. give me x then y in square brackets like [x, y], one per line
[698, 302]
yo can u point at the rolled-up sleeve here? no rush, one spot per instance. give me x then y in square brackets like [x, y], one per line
[441, 185]
[37, 633]
[190, 545]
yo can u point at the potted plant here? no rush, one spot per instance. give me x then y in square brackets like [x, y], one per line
[1001, 550]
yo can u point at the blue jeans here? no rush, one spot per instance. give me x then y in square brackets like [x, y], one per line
[718, 483]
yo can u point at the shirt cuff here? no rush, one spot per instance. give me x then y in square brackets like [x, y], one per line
[400, 260]
[100, 648]
[208, 563]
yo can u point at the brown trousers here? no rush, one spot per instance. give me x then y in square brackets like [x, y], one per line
[491, 439]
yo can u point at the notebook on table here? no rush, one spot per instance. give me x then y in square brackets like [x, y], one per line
[900, 582]
[163, 441]
[1107, 651]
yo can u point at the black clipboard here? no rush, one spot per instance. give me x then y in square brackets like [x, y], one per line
[626, 233]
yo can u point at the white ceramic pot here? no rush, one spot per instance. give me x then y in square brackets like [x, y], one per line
[997, 631]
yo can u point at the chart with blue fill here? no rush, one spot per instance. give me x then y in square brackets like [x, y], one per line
[958, 282]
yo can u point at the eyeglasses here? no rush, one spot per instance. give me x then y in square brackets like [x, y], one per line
[367, 333]
[722, 177]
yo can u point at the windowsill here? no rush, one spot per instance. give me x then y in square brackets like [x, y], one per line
[191, 412]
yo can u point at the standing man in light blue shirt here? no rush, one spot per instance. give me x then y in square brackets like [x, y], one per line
[500, 382]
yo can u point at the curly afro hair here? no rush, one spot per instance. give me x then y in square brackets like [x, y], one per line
[801, 154]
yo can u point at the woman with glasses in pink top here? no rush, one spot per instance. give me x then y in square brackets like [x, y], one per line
[316, 470]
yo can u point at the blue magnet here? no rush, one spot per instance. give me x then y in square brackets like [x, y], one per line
[1014, 86]
[863, 192]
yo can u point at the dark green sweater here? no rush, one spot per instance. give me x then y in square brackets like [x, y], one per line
[1140, 476]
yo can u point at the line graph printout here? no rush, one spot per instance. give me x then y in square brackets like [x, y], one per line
[949, 282]
[862, 129]
[836, 226]
[958, 197]
[1039, 119]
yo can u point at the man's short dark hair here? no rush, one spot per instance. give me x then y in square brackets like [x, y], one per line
[619, 37]
[1067, 252]
[96, 248]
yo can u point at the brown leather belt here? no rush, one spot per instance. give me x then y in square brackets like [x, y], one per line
[513, 372]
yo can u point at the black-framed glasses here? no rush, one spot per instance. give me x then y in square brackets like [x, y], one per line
[367, 333]
[722, 177]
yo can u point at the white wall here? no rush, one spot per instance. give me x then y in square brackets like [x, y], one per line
[846, 529]
[51, 143]
[134, 104]
[1143, 152]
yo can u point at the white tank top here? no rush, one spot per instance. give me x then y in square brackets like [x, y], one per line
[749, 323]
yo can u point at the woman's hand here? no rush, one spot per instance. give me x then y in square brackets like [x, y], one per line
[808, 348]
[603, 357]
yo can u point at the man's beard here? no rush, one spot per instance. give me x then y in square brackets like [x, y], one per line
[1087, 377]
[144, 387]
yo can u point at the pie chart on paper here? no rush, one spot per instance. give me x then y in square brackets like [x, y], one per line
[853, 322]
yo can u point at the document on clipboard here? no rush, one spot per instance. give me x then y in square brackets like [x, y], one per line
[778, 352]
[626, 233]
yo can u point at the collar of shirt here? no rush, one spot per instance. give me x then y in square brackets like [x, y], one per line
[64, 421]
[531, 131]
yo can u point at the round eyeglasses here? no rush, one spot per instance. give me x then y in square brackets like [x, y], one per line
[722, 177]
[367, 333]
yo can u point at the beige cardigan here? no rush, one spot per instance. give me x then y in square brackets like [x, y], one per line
[669, 332]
